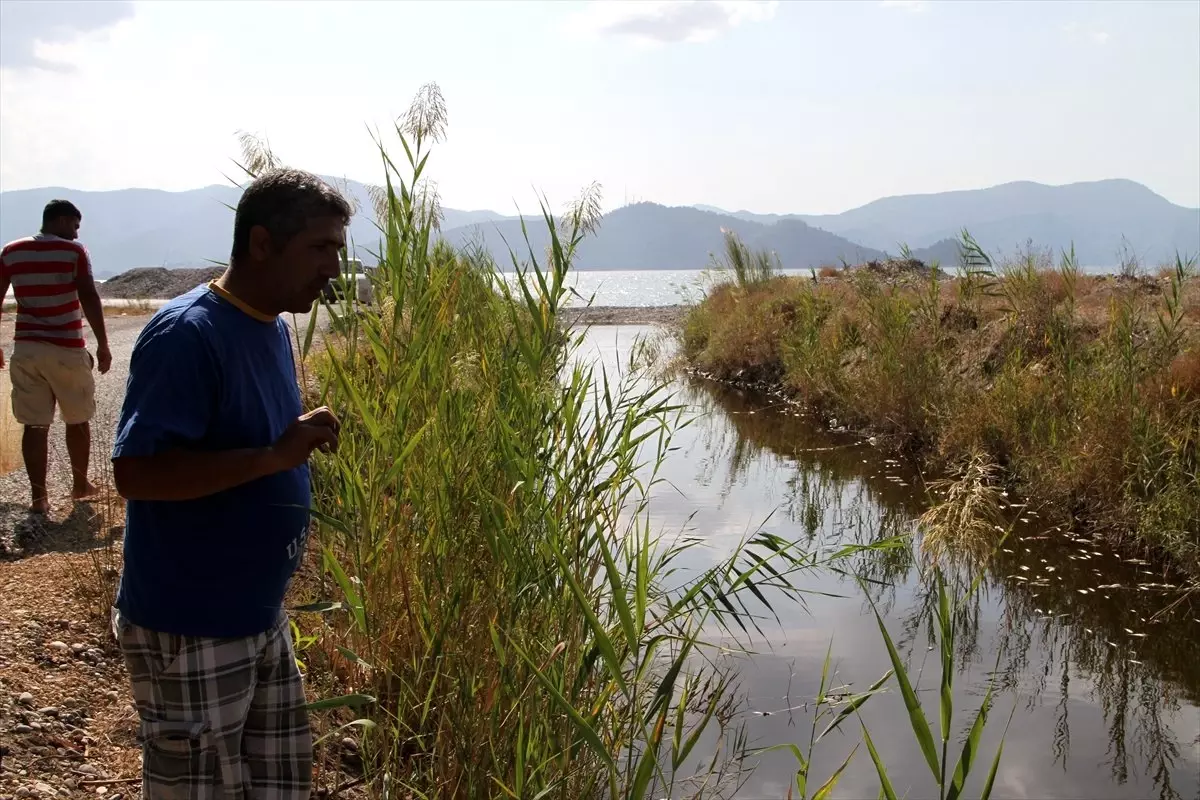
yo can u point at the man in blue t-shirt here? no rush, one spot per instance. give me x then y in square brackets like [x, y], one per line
[212, 456]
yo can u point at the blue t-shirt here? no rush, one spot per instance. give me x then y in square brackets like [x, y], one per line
[207, 376]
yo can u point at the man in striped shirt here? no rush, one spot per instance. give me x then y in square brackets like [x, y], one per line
[51, 278]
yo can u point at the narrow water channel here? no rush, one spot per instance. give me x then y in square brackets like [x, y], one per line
[1098, 654]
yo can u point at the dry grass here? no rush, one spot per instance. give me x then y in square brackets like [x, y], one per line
[1083, 390]
[965, 519]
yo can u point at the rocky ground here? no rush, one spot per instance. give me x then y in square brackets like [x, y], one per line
[624, 315]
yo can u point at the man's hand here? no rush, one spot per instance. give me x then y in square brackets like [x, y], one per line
[318, 429]
[103, 358]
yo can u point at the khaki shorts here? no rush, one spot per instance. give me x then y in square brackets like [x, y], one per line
[44, 375]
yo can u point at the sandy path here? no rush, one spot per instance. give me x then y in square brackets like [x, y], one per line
[17, 529]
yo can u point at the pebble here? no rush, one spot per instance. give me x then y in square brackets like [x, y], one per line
[49, 711]
[61, 647]
[22, 729]
[349, 743]
[25, 699]
[78, 648]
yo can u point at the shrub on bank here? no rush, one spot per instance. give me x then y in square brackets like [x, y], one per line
[1085, 389]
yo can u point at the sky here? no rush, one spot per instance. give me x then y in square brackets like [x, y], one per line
[783, 107]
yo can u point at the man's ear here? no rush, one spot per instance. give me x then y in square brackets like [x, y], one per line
[261, 246]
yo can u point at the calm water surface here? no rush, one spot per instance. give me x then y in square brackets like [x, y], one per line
[1103, 671]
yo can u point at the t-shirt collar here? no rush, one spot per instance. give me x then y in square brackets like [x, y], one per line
[238, 303]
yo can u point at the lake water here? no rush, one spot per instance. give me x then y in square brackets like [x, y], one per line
[658, 287]
[1105, 682]
[654, 287]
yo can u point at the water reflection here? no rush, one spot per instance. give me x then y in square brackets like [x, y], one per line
[1100, 655]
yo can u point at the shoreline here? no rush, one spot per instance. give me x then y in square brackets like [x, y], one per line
[593, 315]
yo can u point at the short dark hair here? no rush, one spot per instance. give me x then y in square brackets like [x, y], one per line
[283, 201]
[56, 209]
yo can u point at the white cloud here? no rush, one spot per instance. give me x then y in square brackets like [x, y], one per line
[1076, 32]
[911, 6]
[668, 21]
[31, 31]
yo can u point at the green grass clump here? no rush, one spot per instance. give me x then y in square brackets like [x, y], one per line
[494, 602]
[1084, 390]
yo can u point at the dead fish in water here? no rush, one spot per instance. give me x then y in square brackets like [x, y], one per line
[1137, 561]
[1083, 591]
[1134, 661]
[1005, 549]
[1049, 569]
[1110, 644]
[1024, 568]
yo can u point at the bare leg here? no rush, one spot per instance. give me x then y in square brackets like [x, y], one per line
[79, 447]
[34, 449]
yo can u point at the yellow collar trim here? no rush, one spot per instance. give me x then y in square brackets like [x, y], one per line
[239, 304]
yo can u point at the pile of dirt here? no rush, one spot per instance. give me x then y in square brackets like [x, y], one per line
[157, 283]
[894, 268]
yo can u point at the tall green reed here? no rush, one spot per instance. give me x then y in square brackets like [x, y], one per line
[749, 267]
[498, 598]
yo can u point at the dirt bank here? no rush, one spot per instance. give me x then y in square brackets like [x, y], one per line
[155, 283]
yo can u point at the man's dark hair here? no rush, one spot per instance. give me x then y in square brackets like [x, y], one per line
[56, 209]
[283, 201]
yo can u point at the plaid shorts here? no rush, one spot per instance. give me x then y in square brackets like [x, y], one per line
[220, 718]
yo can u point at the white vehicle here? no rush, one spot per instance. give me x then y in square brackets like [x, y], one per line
[333, 292]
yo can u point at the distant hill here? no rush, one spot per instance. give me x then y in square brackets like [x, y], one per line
[1093, 215]
[144, 227]
[651, 236]
[151, 228]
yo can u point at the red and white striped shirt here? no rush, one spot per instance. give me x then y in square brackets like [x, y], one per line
[42, 270]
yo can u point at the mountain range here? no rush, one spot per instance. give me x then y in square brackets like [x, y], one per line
[145, 227]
